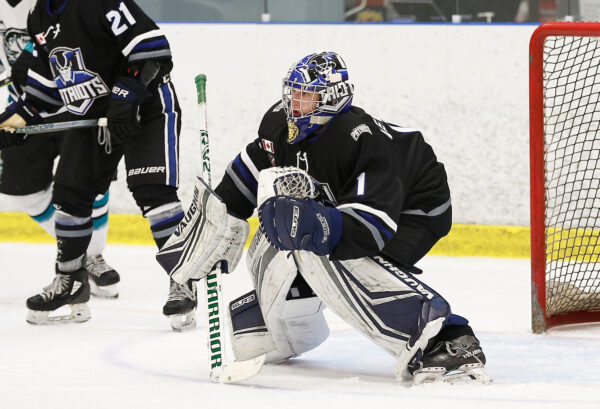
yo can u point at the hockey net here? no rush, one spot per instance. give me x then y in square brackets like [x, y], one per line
[565, 173]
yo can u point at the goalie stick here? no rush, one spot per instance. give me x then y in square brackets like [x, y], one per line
[221, 370]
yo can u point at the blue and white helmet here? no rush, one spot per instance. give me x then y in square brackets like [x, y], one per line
[315, 90]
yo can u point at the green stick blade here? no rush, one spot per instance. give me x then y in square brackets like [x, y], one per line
[201, 87]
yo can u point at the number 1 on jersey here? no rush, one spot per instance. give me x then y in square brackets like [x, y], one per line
[114, 17]
[360, 184]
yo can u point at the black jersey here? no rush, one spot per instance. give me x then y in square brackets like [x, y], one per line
[83, 46]
[374, 172]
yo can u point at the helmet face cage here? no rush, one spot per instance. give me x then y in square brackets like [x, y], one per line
[301, 100]
[315, 90]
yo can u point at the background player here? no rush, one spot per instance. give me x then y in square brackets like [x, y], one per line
[95, 59]
[26, 172]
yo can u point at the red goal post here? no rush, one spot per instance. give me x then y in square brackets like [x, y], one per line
[564, 90]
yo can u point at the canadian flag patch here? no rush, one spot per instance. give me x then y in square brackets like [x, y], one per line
[41, 38]
[268, 146]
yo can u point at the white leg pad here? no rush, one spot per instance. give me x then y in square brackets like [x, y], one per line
[378, 300]
[296, 325]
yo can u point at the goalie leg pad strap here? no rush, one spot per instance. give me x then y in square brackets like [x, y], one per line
[206, 235]
[250, 336]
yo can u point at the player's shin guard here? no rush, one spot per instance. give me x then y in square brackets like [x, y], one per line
[73, 235]
[163, 221]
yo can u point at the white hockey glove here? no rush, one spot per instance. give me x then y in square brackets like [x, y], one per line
[288, 181]
[206, 235]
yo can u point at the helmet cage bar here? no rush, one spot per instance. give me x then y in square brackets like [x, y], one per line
[302, 100]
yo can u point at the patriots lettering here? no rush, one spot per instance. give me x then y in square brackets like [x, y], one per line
[335, 92]
[86, 90]
[359, 130]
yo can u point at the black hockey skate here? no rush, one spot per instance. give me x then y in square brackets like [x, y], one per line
[452, 361]
[66, 289]
[181, 305]
[102, 277]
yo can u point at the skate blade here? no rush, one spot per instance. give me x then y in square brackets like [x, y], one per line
[183, 322]
[464, 374]
[79, 313]
[105, 291]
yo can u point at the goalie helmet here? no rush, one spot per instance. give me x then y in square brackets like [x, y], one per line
[315, 90]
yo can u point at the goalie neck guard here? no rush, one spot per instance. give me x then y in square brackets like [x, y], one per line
[315, 90]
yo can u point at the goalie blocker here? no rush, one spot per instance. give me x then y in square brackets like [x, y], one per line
[206, 235]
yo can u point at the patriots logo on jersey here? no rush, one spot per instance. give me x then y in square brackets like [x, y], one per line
[78, 87]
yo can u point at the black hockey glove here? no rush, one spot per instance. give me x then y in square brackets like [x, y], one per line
[126, 97]
[10, 139]
[27, 113]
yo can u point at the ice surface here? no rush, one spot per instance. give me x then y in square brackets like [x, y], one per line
[126, 356]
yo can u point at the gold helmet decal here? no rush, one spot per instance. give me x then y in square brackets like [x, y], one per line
[292, 132]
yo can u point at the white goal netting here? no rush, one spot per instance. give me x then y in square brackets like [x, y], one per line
[571, 73]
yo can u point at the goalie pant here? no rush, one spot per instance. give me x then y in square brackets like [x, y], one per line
[390, 306]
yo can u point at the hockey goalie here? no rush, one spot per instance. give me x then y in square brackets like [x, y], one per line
[347, 205]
